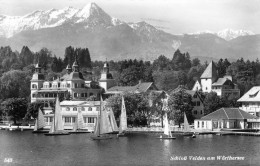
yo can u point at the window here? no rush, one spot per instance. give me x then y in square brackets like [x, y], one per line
[86, 94]
[82, 109]
[85, 120]
[51, 119]
[82, 95]
[73, 119]
[89, 108]
[201, 112]
[206, 88]
[67, 119]
[98, 109]
[74, 108]
[75, 85]
[195, 112]
[91, 94]
[82, 85]
[68, 109]
[202, 124]
[34, 86]
[198, 103]
[68, 85]
[58, 85]
[75, 94]
[91, 119]
[33, 95]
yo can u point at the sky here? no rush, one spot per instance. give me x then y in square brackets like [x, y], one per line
[173, 16]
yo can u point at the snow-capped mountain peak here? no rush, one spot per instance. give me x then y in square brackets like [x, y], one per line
[229, 34]
[91, 14]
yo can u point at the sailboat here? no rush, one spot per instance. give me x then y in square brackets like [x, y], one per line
[123, 120]
[103, 126]
[57, 124]
[112, 121]
[186, 130]
[39, 123]
[167, 131]
[79, 125]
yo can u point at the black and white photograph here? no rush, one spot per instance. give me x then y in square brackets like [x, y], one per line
[129, 82]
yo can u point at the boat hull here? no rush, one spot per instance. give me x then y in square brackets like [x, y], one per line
[166, 137]
[121, 135]
[79, 132]
[101, 137]
[57, 133]
[40, 131]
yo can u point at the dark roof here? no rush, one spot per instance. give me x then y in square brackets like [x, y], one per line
[141, 87]
[210, 71]
[72, 76]
[221, 81]
[228, 113]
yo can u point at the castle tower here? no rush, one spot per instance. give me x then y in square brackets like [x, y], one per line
[208, 77]
[36, 82]
[68, 68]
[106, 81]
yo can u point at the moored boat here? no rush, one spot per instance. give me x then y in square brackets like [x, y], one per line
[103, 126]
[123, 120]
[57, 125]
[167, 132]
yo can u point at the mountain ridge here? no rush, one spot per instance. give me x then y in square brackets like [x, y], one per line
[106, 36]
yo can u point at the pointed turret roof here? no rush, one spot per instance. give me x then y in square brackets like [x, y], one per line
[210, 71]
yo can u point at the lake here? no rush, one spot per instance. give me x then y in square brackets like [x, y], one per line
[25, 149]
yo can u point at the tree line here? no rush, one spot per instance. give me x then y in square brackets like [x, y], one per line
[16, 70]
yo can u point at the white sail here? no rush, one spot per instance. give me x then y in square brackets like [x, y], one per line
[40, 120]
[58, 116]
[186, 124]
[36, 125]
[123, 118]
[112, 120]
[52, 126]
[105, 126]
[166, 125]
[80, 121]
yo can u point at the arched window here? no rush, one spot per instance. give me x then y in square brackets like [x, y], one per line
[34, 86]
[75, 94]
[68, 109]
[89, 108]
[82, 109]
[74, 108]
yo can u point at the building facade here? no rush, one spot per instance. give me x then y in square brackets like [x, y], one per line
[209, 81]
[224, 118]
[251, 101]
[71, 86]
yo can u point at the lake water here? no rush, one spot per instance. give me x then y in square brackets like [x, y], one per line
[25, 148]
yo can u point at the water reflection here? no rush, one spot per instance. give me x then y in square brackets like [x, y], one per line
[136, 149]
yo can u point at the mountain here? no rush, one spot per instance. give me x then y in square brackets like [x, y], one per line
[111, 38]
[227, 34]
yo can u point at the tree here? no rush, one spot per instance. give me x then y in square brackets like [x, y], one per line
[137, 107]
[212, 102]
[179, 102]
[32, 110]
[15, 108]
[161, 63]
[15, 83]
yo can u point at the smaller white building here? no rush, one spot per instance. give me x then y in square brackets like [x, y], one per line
[224, 118]
[69, 111]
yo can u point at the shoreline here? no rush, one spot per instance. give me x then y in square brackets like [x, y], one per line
[154, 130]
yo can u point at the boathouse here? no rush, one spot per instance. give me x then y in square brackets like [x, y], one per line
[224, 118]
